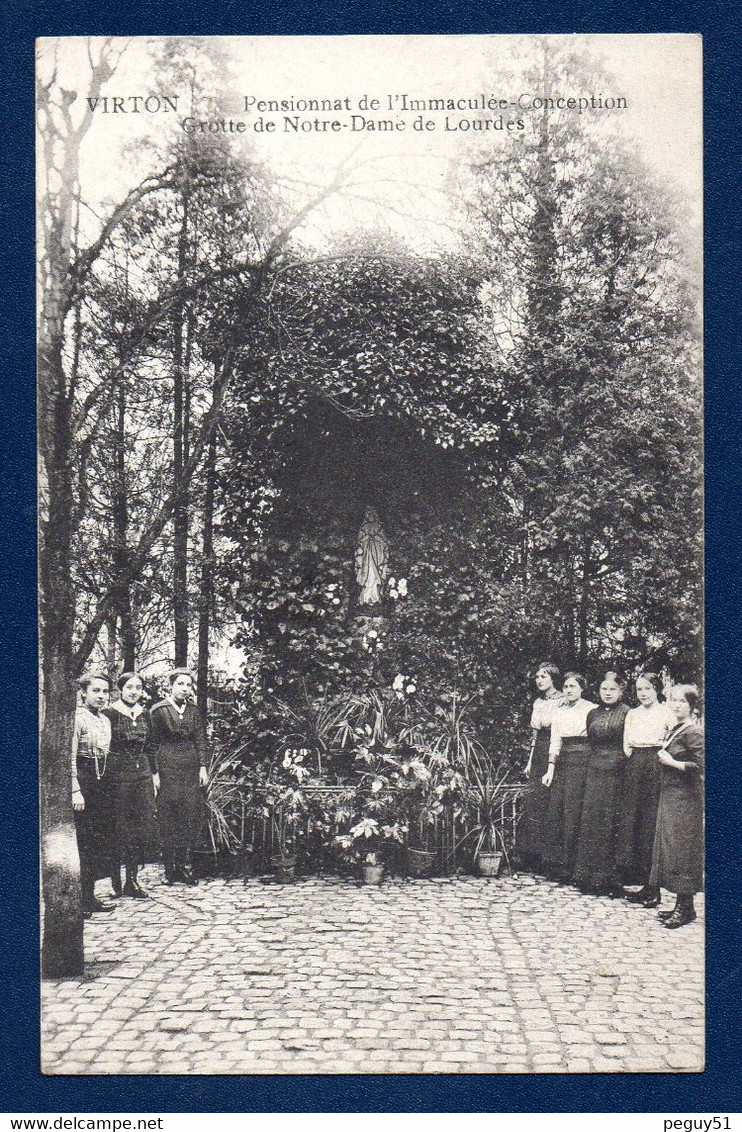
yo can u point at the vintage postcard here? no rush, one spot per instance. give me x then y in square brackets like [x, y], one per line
[370, 512]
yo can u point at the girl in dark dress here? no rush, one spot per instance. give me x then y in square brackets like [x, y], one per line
[677, 857]
[596, 867]
[129, 782]
[568, 755]
[91, 739]
[535, 800]
[177, 753]
[646, 727]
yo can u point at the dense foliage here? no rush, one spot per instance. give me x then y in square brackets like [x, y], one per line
[539, 490]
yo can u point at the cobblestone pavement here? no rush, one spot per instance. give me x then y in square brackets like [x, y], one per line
[324, 976]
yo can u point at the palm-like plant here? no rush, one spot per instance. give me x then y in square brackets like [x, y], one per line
[224, 797]
[451, 742]
[314, 724]
[488, 789]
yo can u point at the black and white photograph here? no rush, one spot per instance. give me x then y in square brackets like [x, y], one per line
[370, 510]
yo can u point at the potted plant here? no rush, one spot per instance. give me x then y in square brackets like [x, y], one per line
[424, 810]
[224, 805]
[366, 843]
[285, 806]
[443, 740]
[487, 792]
[283, 803]
[372, 870]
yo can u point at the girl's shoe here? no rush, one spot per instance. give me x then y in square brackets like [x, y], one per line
[636, 897]
[680, 917]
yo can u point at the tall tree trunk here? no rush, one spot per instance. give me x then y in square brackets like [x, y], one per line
[121, 531]
[111, 642]
[206, 598]
[62, 940]
[180, 514]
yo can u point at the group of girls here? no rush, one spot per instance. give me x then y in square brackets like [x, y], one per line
[137, 779]
[615, 798]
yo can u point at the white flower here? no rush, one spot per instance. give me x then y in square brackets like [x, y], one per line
[392, 582]
[402, 586]
[393, 594]
[336, 601]
[366, 827]
[372, 634]
[398, 684]
[410, 689]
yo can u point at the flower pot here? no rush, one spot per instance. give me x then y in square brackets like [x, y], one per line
[420, 862]
[284, 867]
[372, 874]
[488, 863]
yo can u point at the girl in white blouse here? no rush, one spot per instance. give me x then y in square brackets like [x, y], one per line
[535, 799]
[647, 724]
[568, 757]
[569, 721]
[646, 728]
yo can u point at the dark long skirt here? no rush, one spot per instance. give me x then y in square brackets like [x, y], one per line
[94, 824]
[641, 795]
[180, 807]
[529, 840]
[136, 836]
[562, 828]
[677, 857]
[596, 866]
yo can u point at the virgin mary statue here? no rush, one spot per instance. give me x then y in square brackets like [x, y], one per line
[372, 558]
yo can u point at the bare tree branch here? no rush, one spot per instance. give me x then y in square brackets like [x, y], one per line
[149, 537]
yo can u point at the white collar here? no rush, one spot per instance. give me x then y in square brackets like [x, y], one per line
[131, 713]
[180, 710]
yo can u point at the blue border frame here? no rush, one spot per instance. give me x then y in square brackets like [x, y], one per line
[24, 1089]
